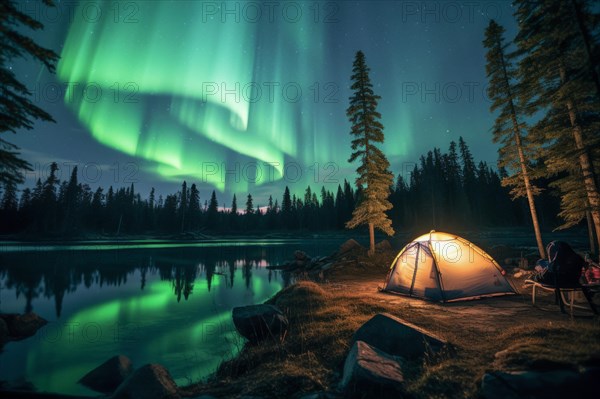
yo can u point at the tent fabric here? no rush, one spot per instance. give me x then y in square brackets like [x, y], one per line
[445, 267]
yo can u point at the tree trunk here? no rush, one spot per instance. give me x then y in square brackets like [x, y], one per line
[529, 190]
[522, 162]
[584, 162]
[371, 239]
[590, 226]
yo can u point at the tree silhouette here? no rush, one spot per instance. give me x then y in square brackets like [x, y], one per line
[373, 173]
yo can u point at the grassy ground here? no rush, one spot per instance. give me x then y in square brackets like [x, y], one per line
[505, 333]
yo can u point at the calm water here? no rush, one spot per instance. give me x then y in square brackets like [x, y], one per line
[153, 302]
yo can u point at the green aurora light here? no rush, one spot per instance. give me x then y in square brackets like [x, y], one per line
[190, 98]
[197, 336]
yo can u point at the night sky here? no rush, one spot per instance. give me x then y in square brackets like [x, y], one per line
[251, 96]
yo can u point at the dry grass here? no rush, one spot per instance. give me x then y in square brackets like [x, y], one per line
[323, 318]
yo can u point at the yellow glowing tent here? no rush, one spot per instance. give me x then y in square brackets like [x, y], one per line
[445, 267]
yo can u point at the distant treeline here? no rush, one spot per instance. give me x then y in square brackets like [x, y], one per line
[444, 191]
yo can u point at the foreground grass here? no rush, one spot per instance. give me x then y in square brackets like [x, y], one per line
[492, 334]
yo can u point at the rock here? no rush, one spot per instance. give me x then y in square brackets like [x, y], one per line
[383, 246]
[326, 266]
[151, 381]
[369, 372]
[530, 384]
[23, 326]
[398, 337]
[301, 255]
[109, 375]
[301, 259]
[259, 322]
[348, 246]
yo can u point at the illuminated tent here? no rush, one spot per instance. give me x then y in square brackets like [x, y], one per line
[445, 267]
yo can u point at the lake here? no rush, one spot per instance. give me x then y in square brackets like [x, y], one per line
[155, 302]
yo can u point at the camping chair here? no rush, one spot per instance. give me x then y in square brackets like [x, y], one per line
[565, 296]
[565, 271]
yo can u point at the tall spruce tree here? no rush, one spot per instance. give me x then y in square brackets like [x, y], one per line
[212, 212]
[249, 205]
[508, 129]
[194, 207]
[183, 205]
[16, 109]
[374, 176]
[286, 209]
[558, 78]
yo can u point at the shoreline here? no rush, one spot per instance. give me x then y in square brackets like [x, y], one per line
[324, 316]
[500, 334]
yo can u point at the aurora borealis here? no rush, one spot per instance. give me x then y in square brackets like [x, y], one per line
[251, 96]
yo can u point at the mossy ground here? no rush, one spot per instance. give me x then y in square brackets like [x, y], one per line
[323, 316]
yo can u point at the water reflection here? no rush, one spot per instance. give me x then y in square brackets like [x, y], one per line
[155, 304]
[51, 275]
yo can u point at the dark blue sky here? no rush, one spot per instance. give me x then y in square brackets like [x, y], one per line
[222, 91]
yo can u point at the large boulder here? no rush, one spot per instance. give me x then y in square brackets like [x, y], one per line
[383, 246]
[301, 255]
[260, 322]
[530, 384]
[301, 259]
[348, 246]
[369, 372]
[398, 337]
[109, 375]
[23, 326]
[151, 381]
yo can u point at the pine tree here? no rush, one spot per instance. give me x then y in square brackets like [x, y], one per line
[48, 200]
[514, 154]
[16, 109]
[455, 197]
[234, 209]
[212, 212]
[559, 79]
[71, 201]
[183, 204]
[194, 207]
[9, 198]
[286, 209]
[97, 209]
[249, 205]
[468, 177]
[373, 174]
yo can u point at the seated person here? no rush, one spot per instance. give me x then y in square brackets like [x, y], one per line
[563, 269]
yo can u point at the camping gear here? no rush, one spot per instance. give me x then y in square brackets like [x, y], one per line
[562, 276]
[591, 274]
[445, 267]
[565, 265]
